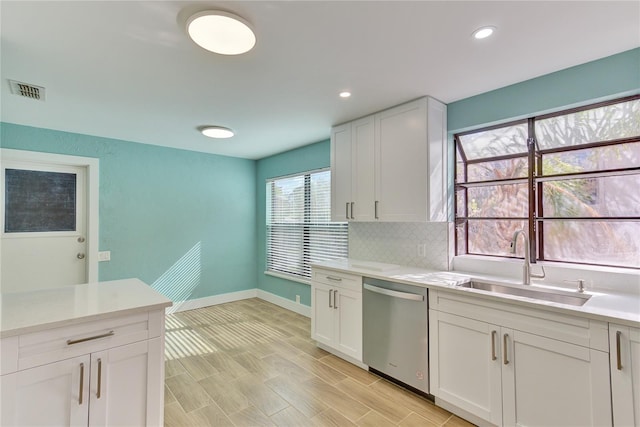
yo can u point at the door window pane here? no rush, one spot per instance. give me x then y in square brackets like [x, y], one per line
[37, 201]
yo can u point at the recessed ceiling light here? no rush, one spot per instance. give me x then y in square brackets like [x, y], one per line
[216, 132]
[345, 94]
[221, 32]
[483, 32]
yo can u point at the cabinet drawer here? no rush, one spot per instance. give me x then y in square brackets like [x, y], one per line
[48, 346]
[338, 279]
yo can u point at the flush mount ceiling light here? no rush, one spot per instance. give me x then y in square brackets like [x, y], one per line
[345, 94]
[483, 32]
[218, 132]
[221, 32]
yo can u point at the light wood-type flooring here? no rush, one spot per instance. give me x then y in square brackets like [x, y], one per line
[252, 363]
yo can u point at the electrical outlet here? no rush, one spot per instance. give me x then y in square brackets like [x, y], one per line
[297, 299]
[422, 250]
[104, 256]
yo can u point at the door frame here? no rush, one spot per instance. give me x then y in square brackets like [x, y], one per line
[92, 167]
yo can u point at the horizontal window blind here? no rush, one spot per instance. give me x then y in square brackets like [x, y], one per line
[299, 227]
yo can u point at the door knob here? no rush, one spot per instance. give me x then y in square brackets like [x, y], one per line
[80, 239]
[80, 256]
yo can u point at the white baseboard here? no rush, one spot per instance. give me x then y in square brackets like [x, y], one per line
[301, 309]
[192, 304]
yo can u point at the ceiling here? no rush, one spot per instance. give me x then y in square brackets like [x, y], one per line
[127, 70]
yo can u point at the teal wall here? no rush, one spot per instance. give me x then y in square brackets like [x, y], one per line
[310, 157]
[605, 78]
[181, 221]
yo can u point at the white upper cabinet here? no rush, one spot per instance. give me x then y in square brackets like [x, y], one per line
[392, 166]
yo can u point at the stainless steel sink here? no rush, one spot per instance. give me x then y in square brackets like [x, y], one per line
[563, 297]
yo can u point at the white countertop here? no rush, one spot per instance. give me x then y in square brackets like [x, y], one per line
[609, 306]
[24, 312]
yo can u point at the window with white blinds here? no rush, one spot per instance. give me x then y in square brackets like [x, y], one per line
[299, 227]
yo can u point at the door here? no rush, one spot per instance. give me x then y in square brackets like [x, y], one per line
[44, 224]
[535, 388]
[363, 171]
[121, 379]
[401, 163]
[348, 334]
[341, 173]
[465, 365]
[56, 394]
[624, 343]
[322, 321]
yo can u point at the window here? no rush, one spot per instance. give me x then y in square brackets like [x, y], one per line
[569, 179]
[299, 227]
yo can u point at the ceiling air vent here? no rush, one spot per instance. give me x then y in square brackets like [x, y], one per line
[27, 90]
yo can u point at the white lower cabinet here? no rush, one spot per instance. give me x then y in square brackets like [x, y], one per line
[101, 373]
[336, 304]
[625, 374]
[510, 366]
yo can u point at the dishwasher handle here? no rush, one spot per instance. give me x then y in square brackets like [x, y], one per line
[392, 293]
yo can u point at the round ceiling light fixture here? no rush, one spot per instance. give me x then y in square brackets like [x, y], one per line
[345, 94]
[218, 132]
[221, 32]
[483, 32]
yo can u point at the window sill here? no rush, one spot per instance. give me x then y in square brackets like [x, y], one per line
[288, 277]
[596, 277]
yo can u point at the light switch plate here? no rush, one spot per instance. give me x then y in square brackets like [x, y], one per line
[104, 256]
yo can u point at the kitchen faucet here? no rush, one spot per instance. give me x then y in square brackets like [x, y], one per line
[526, 268]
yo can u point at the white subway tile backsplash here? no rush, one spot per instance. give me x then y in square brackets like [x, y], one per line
[423, 245]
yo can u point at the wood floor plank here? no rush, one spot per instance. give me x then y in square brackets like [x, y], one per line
[286, 366]
[188, 392]
[350, 370]
[256, 366]
[308, 347]
[336, 399]
[174, 416]
[331, 418]
[251, 417]
[293, 392]
[374, 419]
[365, 395]
[225, 363]
[226, 396]
[415, 420]
[322, 370]
[412, 401]
[262, 397]
[210, 415]
[173, 368]
[197, 367]
[168, 396]
[290, 417]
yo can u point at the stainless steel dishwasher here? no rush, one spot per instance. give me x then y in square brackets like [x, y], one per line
[395, 325]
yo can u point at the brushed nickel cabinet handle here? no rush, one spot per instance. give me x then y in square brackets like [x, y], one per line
[335, 279]
[505, 360]
[108, 334]
[352, 203]
[335, 301]
[330, 292]
[493, 345]
[347, 213]
[81, 384]
[99, 378]
[375, 210]
[618, 353]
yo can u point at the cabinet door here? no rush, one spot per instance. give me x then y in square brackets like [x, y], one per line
[625, 374]
[401, 163]
[363, 170]
[341, 164]
[465, 364]
[125, 384]
[322, 320]
[348, 335]
[54, 394]
[547, 382]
